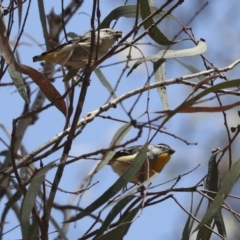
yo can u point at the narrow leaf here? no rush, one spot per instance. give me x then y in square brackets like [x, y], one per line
[19, 6]
[204, 232]
[104, 82]
[71, 73]
[154, 33]
[43, 21]
[212, 176]
[9, 58]
[33, 230]
[18, 82]
[121, 230]
[197, 210]
[117, 138]
[59, 229]
[187, 231]
[218, 218]
[188, 226]
[225, 189]
[165, 54]
[128, 11]
[212, 184]
[113, 213]
[159, 74]
[30, 198]
[9, 206]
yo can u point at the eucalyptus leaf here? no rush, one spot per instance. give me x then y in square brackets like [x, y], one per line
[113, 213]
[165, 54]
[129, 11]
[159, 75]
[149, 25]
[104, 81]
[117, 138]
[18, 82]
[30, 197]
[225, 189]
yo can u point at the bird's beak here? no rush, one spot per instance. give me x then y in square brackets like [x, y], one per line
[118, 34]
[171, 151]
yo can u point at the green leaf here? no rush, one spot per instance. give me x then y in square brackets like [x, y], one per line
[196, 211]
[33, 230]
[154, 33]
[225, 189]
[19, 7]
[212, 176]
[189, 223]
[187, 230]
[71, 73]
[212, 184]
[205, 233]
[165, 54]
[42, 15]
[18, 82]
[159, 74]
[9, 206]
[129, 11]
[8, 56]
[113, 213]
[104, 82]
[121, 230]
[218, 219]
[59, 229]
[117, 138]
[30, 198]
[117, 186]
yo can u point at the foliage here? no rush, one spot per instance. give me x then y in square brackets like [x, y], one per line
[25, 184]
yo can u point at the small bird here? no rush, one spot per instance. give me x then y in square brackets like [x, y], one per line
[157, 156]
[75, 53]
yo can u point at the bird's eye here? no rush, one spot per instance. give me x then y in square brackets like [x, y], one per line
[107, 31]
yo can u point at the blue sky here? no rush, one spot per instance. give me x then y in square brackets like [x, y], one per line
[218, 24]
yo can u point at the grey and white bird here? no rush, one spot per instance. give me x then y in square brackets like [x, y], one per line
[75, 53]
